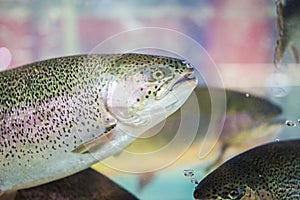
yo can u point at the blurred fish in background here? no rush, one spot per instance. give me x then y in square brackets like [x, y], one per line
[249, 121]
[288, 19]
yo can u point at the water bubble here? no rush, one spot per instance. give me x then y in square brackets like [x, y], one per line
[290, 123]
[194, 181]
[188, 172]
[247, 95]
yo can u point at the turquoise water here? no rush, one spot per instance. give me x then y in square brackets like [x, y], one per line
[168, 185]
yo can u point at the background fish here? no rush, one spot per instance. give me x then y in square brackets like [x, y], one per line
[250, 121]
[271, 171]
[85, 185]
[54, 114]
[247, 116]
[288, 20]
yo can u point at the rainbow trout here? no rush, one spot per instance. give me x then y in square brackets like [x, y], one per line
[60, 116]
[85, 185]
[270, 171]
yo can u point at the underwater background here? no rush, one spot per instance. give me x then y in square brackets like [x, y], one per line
[238, 43]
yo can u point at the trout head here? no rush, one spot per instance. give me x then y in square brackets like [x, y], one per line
[146, 89]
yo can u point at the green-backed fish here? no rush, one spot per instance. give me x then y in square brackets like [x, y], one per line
[270, 171]
[85, 185]
[61, 115]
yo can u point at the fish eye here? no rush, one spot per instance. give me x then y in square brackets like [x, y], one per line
[158, 74]
[235, 193]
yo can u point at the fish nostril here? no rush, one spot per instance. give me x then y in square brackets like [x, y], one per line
[189, 66]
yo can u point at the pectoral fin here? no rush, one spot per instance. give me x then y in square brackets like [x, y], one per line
[145, 179]
[93, 144]
[219, 159]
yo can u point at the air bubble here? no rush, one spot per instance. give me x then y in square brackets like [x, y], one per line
[290, 123]
[194, 181]
[188, 172]
[298, 120]
[247, 95]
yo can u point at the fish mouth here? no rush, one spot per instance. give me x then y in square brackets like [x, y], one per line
[187, 77]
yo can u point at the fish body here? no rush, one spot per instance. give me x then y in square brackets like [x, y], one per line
[270, 171]
[60, 116]
[85, 185]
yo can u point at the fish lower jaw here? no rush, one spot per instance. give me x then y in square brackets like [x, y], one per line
[188, 78]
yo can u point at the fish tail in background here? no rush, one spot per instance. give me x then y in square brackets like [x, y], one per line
[280, 43]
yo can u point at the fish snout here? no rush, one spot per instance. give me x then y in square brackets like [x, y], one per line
[190, 72]
[188, 75]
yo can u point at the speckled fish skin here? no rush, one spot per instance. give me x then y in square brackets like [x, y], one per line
[270, 171]
[84, 185]
[53, 112]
